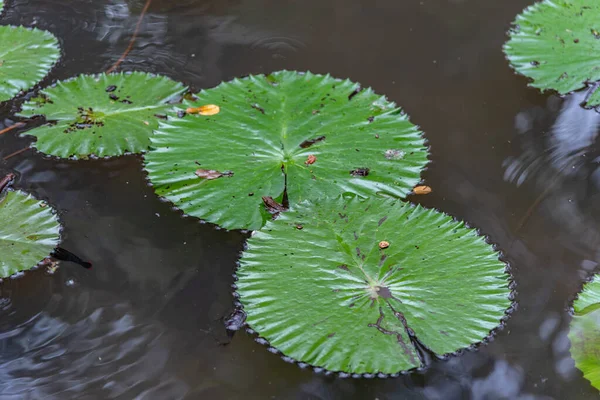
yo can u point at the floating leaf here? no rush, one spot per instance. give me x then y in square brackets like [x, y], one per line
[28, 233]
[105, 115]
[310, 135]
[1, 6]
[331, 295]
[26, 57]
[556, 43]
[585, 332]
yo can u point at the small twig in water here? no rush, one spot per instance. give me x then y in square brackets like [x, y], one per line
[10, 128]
[16, 153]
[133, 38]
[6, 181]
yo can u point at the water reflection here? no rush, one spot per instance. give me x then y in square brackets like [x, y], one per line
[559, 158]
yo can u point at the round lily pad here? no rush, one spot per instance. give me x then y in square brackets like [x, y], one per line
[557, 45]
[585, 332]
[26, 57]
[104, 115]
[28, 233]
[288, 136]
[367, 286]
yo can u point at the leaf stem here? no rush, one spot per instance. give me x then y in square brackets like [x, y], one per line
[133, 38]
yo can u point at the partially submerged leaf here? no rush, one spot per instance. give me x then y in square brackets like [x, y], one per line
[28, 233]
[105, 115]
[556, 45]
[585, 332]
[269, 134]
[26, 57]
[320, 285]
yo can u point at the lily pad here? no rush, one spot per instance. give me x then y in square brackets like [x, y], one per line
[26, 57]
[557, 44]
[28, 233]
[362, 286]
[303, 134]
[104, 115]
[585, 332]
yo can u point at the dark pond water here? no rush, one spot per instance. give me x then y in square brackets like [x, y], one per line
[146, 321]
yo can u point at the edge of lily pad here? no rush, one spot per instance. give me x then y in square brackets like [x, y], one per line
[238, 307]
[514, 27]
[38, 85]
[54, 211]
[218, 227]
[48, 121]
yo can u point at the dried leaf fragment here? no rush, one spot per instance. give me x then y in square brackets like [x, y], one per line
[209, 109]
[384, 245]
[272, 206]
[210, 174]
[422, 190]
[310, 160]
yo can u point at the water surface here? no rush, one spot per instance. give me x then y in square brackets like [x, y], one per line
[146, 321]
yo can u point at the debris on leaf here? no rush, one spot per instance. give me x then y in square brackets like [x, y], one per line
[310, 160]
[273, 207]
[210, 174]
[422, 190]
[394, 154]
[360, 172]
[310, 142]
[209, 109]
[384, 245]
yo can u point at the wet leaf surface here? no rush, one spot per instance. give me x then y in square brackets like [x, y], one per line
[104, 115]
[268, 133]
[585, 332]
[29, 232]
[557, 46]
[26, 57]
[336, 295]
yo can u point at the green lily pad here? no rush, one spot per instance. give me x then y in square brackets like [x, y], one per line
[585, 332]
[557, 43]
[308, 135]
[320, 285]
[104, 115]
[26, 57]
[28, 233]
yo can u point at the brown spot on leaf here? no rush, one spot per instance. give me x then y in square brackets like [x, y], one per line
[382, 220]
[310, 142]
[384, 292]
[331, 335]
[110, 88]
[344, 267]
